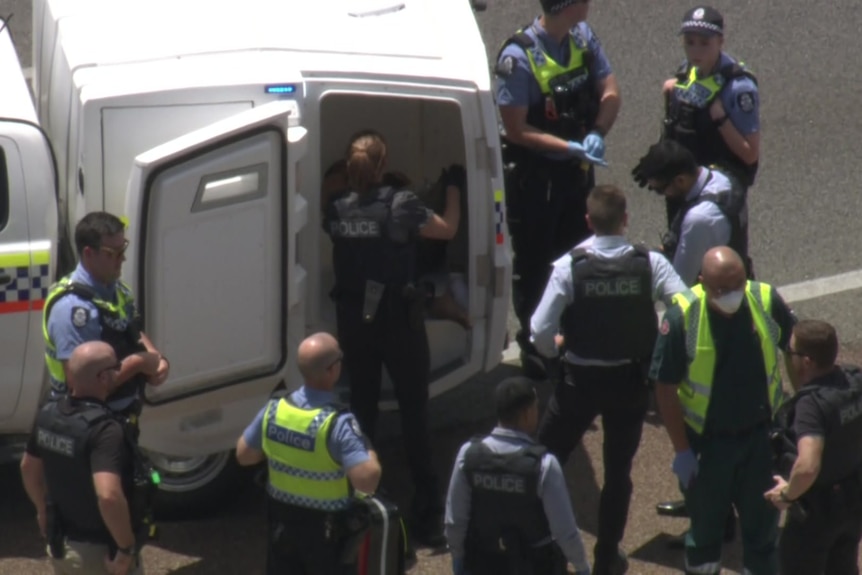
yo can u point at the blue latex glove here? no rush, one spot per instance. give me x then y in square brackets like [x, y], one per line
[578, 151]
[594, 144]
[685, 467]
[458, 566]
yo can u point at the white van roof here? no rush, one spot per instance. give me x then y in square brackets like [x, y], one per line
[15, 100]
[408, 38]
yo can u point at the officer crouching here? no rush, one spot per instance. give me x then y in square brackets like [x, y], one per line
[508, 510]
[82, 473]
[818, 447]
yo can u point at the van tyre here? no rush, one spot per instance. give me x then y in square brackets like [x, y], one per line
[199, 486]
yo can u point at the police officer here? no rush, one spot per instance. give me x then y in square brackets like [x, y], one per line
[604, 291]
[508, 508]
[820, 458]
[558, 99]
[713, 210]
[316, 452]
[379, 310]
[712, 104]
[79, 473]
[91, 304]
[718, 383]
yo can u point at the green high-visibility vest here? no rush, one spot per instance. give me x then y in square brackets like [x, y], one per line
[695, 390]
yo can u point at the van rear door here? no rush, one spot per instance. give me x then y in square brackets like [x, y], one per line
[213, 216]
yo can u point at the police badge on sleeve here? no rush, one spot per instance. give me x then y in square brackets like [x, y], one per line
[746, 101]
[80, 316]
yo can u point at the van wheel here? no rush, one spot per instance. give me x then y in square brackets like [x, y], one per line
[195, 486]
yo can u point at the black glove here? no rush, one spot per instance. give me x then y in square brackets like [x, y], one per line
[456, 176]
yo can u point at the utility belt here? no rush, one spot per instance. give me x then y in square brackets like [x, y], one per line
[344, 531]
[395, 294]
[511, 555]
[824, 502]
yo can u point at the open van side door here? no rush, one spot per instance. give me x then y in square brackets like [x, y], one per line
[213, 217]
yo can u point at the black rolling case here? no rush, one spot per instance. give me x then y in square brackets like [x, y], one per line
[383, 551]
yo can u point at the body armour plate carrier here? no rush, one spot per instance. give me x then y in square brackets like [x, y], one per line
[365, 244]
[62, 439]
[121, 333]
[570, 102]
[505, 505]
[613, 315]
[687, 119]
[842, 407]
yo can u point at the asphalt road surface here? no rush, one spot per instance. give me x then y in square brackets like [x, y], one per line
[804, 210]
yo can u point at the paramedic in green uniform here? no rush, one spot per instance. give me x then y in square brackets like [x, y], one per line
[718, 384]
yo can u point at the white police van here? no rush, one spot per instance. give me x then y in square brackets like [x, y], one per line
[209, 128]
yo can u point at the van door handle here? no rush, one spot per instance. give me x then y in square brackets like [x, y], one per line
[5, 278]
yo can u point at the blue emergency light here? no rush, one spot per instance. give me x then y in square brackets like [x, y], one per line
[280, 89]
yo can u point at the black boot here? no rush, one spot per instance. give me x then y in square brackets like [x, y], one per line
[672, 509]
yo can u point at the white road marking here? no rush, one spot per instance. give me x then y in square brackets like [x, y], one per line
[792, 293]
[820, 287]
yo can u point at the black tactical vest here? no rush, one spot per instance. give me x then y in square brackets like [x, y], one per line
[574, 104]
[366, 243]
[693, 127]
[62, 432]
[505, 509]
[613, 314]
[730, 202]
[839, 396]
[124, 335]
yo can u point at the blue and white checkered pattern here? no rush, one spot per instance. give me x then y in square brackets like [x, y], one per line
[29, 283]
[304, 473]
[307, 502]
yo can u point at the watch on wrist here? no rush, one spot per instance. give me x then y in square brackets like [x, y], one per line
[130, 551]
[719, 122]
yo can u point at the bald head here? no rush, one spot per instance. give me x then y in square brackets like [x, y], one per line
[89, 366]
[319, 358]
[722, 269]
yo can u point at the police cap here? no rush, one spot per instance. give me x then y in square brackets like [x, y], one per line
[513, 395]
[703, 20]
[557, 6]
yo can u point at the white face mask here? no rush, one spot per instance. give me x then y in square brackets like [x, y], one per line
[729, 302]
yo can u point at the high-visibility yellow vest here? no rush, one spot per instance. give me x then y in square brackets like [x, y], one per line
[698, 92]
[301, 469]
[114, 311]
[695, 390]
[550, 69]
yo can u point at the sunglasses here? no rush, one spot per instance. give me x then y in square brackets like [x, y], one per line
[114, 251]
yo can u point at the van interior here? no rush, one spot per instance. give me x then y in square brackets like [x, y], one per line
[423, 137]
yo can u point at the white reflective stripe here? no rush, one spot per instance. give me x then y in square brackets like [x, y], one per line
[693, 416]
[18, 247]
[385, 541]
[700, 388]
[703, 568]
